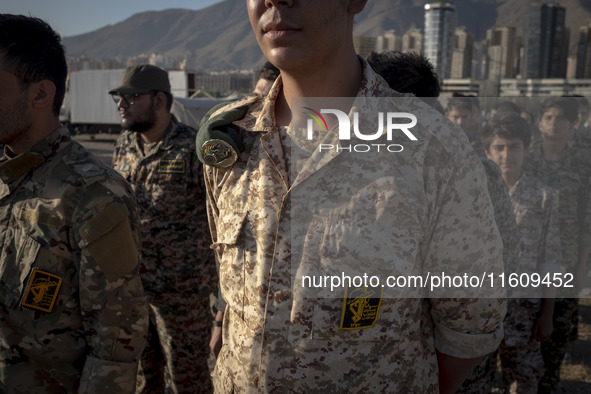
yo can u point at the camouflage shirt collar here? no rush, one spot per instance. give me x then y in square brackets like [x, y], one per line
[537, 153]
[11, 170]
[170, 133]
[264, 111]
[134, 138]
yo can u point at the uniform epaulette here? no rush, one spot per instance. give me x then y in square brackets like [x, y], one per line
[218, 143]
[229, 106]
[86, 166]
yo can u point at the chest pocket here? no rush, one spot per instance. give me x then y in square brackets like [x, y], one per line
[230, 246]
[38, 241]
[18, 258]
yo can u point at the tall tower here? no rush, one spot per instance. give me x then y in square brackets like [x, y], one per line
[364, 44]
[545, 41]
[389, 41]
[461, 61]
[503, 52]
[440, 25]
[412, 41]
[584, 53]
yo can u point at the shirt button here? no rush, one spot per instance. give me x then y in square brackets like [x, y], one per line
[255, 381]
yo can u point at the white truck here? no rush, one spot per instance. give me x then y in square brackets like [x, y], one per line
[88, 108]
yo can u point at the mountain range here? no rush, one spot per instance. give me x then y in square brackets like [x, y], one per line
[220, 36]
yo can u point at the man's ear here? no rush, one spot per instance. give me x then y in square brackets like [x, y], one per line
[160, 100]
[487, 153]
[356, 6]
[43, 93]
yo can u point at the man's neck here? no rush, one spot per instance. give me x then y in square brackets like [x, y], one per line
[343, 80]
[553, 149]
[511, 179]
[156, 133]
[40, 129]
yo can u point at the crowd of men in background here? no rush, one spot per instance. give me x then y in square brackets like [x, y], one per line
[76, 254]
[549, 157]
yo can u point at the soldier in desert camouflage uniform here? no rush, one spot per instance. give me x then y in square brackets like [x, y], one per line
[73, 316]
[567, 171]
[529, 320]
[156, 154]
[280, 336]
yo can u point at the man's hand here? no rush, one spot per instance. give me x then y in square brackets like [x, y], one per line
[215, 343]
[544, 324]
[453, 371]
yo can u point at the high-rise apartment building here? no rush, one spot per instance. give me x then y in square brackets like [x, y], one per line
[503, 53]
[440, 24]
[364, 44]
[545, 41]
[461, 61]
[571, 67]
[412, 41]
[389, 41]
[480, 60]
[584, 53]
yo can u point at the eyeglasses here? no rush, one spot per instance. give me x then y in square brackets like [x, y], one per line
[128, 98]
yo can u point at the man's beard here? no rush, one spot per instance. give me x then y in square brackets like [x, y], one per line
[15, 121]
[145, 125]
[146, 122]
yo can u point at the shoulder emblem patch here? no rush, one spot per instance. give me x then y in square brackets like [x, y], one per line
[171, 166]
[42, 290]
[361, 307]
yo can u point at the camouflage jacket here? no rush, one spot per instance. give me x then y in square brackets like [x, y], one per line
[570, 177]
[536, 211]
[168, 182]
[73, 316]
[422, 209]
[504, 216]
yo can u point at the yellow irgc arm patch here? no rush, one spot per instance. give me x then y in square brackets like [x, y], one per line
[42, 290]
[110, 241]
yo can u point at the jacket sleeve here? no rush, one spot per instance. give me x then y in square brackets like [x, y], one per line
[464, 242]
[112, 302]
[550, 249]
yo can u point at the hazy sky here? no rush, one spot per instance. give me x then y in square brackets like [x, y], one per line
[71, 17]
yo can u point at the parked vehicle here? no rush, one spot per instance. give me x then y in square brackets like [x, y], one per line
[88, 108]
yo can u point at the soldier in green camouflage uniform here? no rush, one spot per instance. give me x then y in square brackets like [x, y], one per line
[567, 171]
[178, 268]
[279, 335]
[73, 316]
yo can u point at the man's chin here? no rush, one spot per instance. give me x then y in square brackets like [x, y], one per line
[138, 127]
